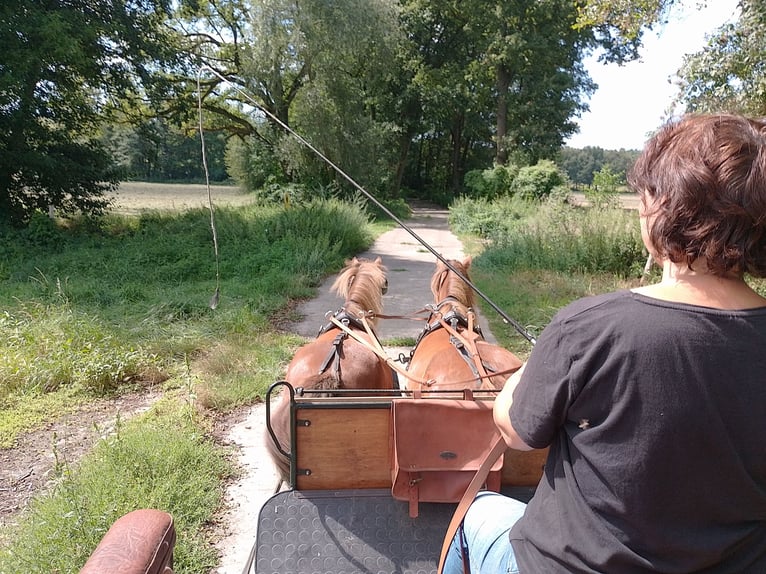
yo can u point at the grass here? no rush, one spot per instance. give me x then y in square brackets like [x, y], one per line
[150, 458]
[531, 259]
[98, 308]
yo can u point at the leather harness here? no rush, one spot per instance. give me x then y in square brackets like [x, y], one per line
[342, 317]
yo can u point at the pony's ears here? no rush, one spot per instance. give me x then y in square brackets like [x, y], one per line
[378, 260]
[467, 262]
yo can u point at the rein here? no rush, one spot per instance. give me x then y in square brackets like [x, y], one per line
[377, 348]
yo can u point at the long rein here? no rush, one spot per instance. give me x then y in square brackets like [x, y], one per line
[506, 318]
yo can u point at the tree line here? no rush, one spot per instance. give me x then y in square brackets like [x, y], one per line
[408, 96]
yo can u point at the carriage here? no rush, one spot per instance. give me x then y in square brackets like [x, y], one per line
[375, 463]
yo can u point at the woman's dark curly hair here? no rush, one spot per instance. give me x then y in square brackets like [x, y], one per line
[704, 179]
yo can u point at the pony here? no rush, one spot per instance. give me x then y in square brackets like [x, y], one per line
[335, 359]
[450, 353]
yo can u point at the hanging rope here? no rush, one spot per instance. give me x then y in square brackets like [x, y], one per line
[217, 294]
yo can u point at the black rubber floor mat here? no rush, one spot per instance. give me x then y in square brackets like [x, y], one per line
[349, 532]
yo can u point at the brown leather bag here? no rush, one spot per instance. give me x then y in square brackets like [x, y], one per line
[437, 447]
[140, 542]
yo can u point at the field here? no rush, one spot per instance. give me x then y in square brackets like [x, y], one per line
[135, 197]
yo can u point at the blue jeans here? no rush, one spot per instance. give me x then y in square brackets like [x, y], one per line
[485, 527]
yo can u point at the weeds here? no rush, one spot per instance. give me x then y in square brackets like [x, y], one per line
[149, 458]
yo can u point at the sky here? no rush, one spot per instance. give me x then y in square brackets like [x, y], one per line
[633, 100]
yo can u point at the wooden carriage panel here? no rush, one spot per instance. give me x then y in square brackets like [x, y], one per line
[341, 444]
[342, 448]
[523, 467]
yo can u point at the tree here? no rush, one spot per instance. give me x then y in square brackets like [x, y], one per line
[534, 56]
[314, 66]
[63, 63]
[603, 192]
[728, 74]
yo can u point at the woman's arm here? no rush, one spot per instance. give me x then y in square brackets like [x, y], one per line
[501, 413]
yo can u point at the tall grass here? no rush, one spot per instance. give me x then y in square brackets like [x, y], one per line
[554, 236]
[538, 256]
[97, 305]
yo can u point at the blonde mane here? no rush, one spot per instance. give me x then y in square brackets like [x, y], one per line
[446, 284]
[361, 284]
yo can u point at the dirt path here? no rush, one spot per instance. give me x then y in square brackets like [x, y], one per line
[34, 462]
[410, 267]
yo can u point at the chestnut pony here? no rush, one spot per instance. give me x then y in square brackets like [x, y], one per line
[451, 353]
[335, 360]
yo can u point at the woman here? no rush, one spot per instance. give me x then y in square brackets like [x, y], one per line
[653, 401]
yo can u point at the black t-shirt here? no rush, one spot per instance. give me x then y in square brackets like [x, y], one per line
[655, 414]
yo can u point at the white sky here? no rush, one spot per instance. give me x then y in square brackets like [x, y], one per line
[633, 100]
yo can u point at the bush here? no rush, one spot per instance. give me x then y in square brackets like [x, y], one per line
[489, 219]
[253, 164]
[538, 181]
[490, 183]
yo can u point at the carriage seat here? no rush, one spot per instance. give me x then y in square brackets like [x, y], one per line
[140, 542]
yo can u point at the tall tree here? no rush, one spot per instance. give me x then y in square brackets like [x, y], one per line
[62, 64]
[535, 54]
[315, 66]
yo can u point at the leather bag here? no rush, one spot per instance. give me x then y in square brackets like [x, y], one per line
[437, 447]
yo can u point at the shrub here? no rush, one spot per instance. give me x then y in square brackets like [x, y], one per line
[490, 183]
[538, 181]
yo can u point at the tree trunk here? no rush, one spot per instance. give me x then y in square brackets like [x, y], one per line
[503, 82]
[405, 143]
[455, 154]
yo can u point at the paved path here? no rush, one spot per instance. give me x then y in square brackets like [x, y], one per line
[410, 267]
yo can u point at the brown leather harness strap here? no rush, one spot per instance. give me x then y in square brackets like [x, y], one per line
[470, 493]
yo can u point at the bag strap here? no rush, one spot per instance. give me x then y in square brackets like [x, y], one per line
[470, 493]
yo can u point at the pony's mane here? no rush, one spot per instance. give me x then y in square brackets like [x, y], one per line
[361, 285]
[446, 284]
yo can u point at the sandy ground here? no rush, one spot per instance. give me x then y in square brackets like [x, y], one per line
[410, 267]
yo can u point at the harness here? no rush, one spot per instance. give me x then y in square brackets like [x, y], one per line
[464, 331]
[344, 323]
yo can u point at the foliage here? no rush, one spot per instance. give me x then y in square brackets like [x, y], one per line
[62, 61]
[490, 183]
[603, 192]
[727, 74]
[581, 164]
[254, 164]
[538, 181]
[150, 459]
[398, 207]
[489, 218]
[153, 150]
[411, 94]
[620, 23]
[316, 67]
